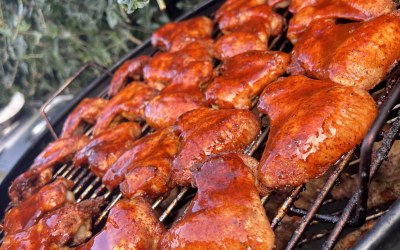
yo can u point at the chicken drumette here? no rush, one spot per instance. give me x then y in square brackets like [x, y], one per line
[353, 54]
[107, 147]
[70, 223]
[305, 12]
[41, 171]
[244, 76]
[205, 132]
[130, 70]
[145, 169]
[86, 112]
[127, 104]
[226, 212]
[47, 199]
[131, 224]
[313, 123]
[176, 36]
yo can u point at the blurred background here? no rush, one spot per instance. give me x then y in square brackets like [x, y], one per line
[43, 42]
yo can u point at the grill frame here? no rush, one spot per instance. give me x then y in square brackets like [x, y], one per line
[98, 88]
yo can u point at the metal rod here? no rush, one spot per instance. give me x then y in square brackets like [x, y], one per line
[305, 221]
[173, 204]
[89, 188]
[285, 206]
[378, 159]
[105, 211]
[157, 202]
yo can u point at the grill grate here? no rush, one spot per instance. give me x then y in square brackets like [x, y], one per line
[87, 185]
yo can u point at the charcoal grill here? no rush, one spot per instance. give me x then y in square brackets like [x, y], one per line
[354, 213]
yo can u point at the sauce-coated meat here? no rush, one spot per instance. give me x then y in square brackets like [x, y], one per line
[41, 171]
[313, 123]
[176, 36]
[205, 132]
[305, 12]
[244, 76]
[47, 199]
[354, 54]
[145, 169]
[106, 147]
[127, 104]
[70, 223]
[130, 70]
[86, 112]
[226, 212]
[131, 225]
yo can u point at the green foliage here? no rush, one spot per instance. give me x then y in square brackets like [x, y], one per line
[43, 42]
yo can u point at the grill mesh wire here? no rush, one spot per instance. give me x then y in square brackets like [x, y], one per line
[87, 185]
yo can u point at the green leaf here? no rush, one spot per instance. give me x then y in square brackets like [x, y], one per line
[131, 5]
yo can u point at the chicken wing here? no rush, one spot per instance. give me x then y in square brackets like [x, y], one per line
[107, 147]
[47, 199]
[176, 36]
[313, 123]
[164, 109]
[144, 170]
[354, 54]
[86, 112]
[70, 223]
[226, 212]
[358, 10]
[127, 104]
[205, 132]
[130, 70]
[131, 224]
[244, 76]
[185, 64]
[243, 11]
[41, 171]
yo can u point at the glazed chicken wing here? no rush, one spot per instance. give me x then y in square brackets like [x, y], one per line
[47, 199]
[127, 104]
[229, 20]
[176, 36]
[144, 170]
[358, 10]
[354, 54]
[164, 109]
[130, 70]
[107, 147]
[226, 212]
[194, 62]
[313, 123]
[70, 223]
[86, 112]
[205, 132]
[244, 76]
[41, 171]
[131, 225]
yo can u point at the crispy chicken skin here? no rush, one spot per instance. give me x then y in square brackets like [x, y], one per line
[205, 132]
[144, 170]
[107, 147]
[243, 11]
[310, 10]
[185, 64]
[127, 104]
[130, 70]
[47, 199]
[176, 36]
[355, 54]
[226, 212]
[131, 225]
[164, 109]
[244, 76]
[86, 112]
[72, 222]
[40, 173]
[313, 123]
